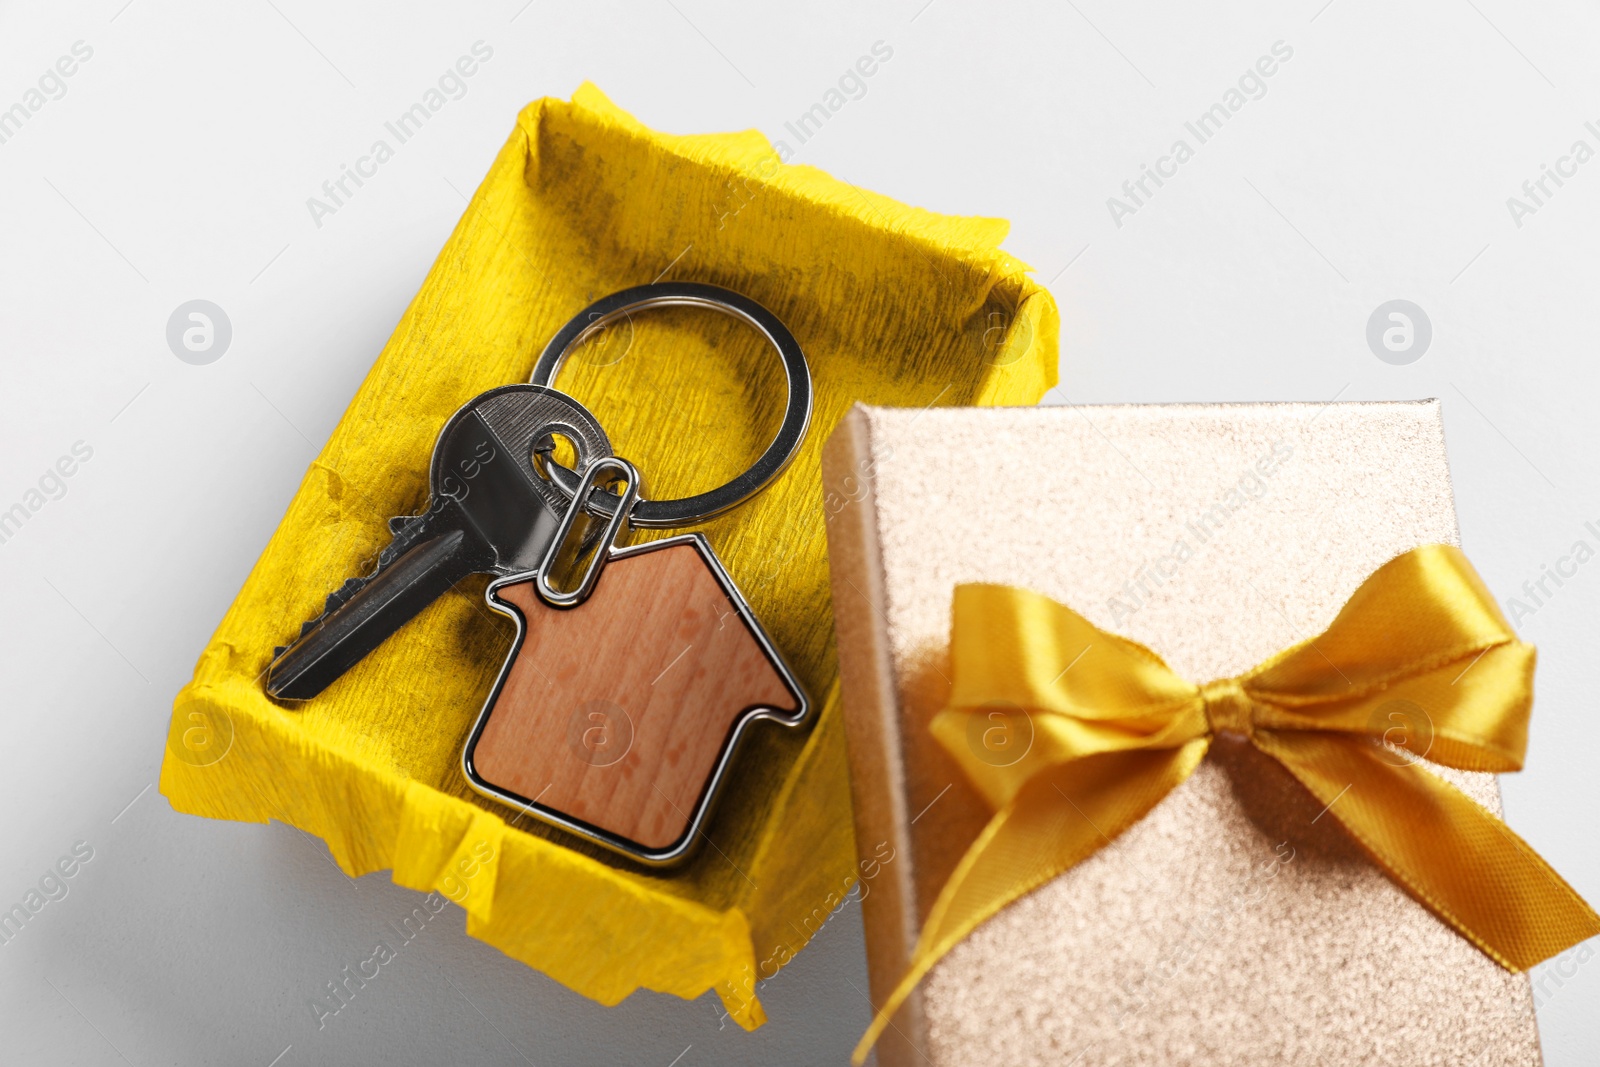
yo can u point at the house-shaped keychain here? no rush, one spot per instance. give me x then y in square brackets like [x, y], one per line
[616, 718]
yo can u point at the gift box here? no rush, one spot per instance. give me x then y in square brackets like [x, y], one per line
[890, 303]
[1235, 922]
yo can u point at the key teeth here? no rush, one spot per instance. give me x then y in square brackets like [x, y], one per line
[402, 535]
[405, 531]
[333, 602]
[338, 597]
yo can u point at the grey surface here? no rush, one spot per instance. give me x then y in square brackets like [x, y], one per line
[177, 165]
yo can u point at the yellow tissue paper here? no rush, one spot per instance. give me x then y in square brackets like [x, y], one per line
[893, 306]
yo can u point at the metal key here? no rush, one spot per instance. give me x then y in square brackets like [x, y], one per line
[489, 512]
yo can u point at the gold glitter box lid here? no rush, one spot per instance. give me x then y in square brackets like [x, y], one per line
[1233, 925]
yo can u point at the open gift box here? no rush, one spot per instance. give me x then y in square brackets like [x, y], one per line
[892, 305]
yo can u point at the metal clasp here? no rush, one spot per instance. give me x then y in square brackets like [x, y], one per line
[615, 525]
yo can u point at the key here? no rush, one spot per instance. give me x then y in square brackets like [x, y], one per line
[489, 512]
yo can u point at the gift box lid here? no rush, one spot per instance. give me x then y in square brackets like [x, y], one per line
[1232, 924]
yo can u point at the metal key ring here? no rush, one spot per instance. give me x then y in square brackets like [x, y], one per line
[685, 511]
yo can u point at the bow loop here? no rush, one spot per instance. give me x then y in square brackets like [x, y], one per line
[1420, 652]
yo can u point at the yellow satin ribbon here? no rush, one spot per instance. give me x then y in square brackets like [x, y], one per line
[1113, 730]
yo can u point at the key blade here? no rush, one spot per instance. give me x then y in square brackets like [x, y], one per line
[386, 602]
[408, 531]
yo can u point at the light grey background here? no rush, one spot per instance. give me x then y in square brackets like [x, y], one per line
[1376, 166]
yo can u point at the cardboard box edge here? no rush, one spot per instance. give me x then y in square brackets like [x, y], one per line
[870, 704]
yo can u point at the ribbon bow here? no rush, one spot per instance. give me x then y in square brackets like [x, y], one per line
[1419, 652]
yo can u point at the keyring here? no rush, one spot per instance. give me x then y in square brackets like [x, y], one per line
[685, 511]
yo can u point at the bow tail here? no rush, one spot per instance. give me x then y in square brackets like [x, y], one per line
[1451, 855]
[1062, 816]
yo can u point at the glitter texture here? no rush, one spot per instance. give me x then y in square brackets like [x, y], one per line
[1235, 924]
